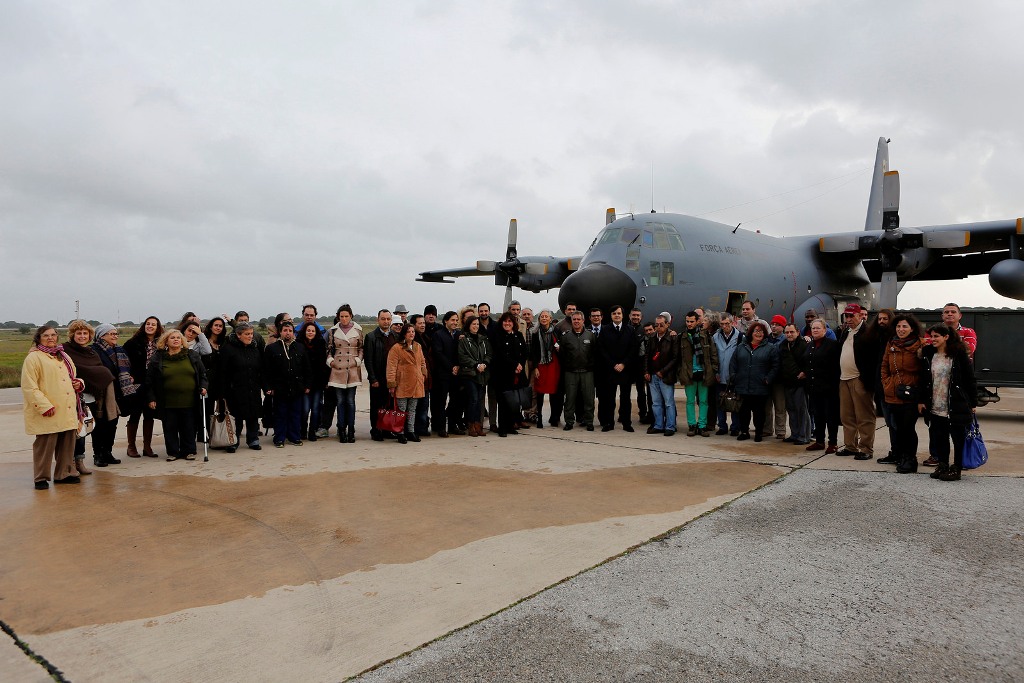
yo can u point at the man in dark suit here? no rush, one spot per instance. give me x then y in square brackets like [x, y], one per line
[617, 354]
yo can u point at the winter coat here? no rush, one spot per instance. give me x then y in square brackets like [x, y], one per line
[135, 349]
[345, 349]
[662, 356]
[319, 369]
[820, 364]
[45, 384]
[753, 370]
[214, 372]
[508, 351]
[726, 348]
[242, 371]
[791, 355]
[286, 371]
[474, 350]
[376, 346]
[901, 364]
[407, 371]
[709, 360]
[963, 388]
[155, 378]
[577, 352]
[445, 351]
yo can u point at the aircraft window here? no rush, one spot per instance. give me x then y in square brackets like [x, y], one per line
[668, 273]
[648, 238]
[629, 234]
[661, 240]
[675, 242]
[633, 257]
[610, 235]
[655, 278]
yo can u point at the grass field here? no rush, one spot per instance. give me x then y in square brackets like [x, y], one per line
[13, 349]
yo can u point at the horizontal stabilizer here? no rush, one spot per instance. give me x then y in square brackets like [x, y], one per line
[486, 266]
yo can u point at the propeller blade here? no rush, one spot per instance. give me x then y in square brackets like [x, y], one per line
[537, 268]
[508, 298]
[947, 240]
[888, 290]
[513, 233]
[486, 266]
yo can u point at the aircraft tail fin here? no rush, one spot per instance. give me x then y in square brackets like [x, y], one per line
[876, 200]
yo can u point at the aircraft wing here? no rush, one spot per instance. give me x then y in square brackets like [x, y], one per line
[961, 238]
[532, 273]
[443, 275]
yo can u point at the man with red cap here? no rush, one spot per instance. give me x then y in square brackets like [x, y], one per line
[858, 368]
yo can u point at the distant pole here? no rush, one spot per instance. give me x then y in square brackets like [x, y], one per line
[77, 309]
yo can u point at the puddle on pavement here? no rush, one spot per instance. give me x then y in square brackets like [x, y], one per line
[118, 548]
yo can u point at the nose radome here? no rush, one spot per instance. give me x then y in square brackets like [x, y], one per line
[597, 285]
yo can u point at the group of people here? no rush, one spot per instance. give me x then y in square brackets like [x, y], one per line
[446, 375]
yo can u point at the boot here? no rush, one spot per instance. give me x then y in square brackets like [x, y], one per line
[401, 437]
[341, 436]
[351, 434]
[475, 429]
[907, 465]
[147, 439]
[940, 469]
[951, 474]
[80, 466]
[133, 430]
[890, 459]
[311, 435]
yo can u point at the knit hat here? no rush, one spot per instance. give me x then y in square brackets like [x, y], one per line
[779, 320]
[103, 328]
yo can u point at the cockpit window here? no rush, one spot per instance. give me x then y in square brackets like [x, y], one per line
[610, 235]
[648, 239]
[665, 236]
[629, 235]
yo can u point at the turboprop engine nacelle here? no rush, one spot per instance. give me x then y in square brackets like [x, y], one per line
[1007, 278]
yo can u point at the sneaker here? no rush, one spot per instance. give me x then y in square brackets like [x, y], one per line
[322, 433]
[721, 432]
[171, 458]
[279, 444]
[691, 431]
[931, 462]
[294, 442]
[830, 450]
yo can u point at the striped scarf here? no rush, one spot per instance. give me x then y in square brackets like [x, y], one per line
[120, 360]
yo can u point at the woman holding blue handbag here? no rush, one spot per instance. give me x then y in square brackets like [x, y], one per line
[950, 397]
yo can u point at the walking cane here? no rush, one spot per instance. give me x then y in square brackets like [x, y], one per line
[206, 436]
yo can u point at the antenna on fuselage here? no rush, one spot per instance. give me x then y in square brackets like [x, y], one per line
[652, 187]
[737, 227]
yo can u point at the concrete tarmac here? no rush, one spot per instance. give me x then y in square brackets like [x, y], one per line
[322, 561]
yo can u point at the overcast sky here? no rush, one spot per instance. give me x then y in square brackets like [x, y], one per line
[158, 157]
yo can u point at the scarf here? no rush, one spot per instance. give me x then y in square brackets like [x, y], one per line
[58, 352]
[546, 340]
[119, 359]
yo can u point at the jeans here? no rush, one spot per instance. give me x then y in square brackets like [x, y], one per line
[697, 404]
[663, 404]
[474, 399]
[904, 429]
[346, 400]
[311, 409]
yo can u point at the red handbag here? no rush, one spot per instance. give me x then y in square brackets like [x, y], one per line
[391, 419]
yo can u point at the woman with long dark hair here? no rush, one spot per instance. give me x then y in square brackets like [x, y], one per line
[475, 371]
[316, 352]
[507, 366]
[950, 399]
[140, 349]
[900, 368]
[407, 374]
[345, 348]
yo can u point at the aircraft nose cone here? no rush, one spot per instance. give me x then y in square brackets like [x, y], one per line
[598, 285]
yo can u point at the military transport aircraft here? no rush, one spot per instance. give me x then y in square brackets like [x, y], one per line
[671, 262]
